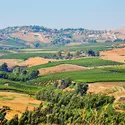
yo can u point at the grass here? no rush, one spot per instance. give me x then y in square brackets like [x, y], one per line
[13, 43]
[119, 69]
[86, 62]
[89, 76]
[91, 46]
[26, 55]
[18, 87]
[5, 98]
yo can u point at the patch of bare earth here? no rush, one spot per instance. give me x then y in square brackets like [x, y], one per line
[35, 61]
[17, 102]
[103, 86]
[117, 55]
[60, 68]
[31, 37]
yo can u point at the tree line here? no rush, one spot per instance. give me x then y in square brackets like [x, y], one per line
[17, 73]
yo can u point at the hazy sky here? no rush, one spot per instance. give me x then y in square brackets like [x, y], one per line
[91, 14]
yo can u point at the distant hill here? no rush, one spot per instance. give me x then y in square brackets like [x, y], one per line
[120, 33]
[37, 36]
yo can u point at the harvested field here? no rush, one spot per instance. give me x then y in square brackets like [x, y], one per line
[30, 62]
[117, 55]
[17, 102]
[103, 86]
[35, 61]
[61, 68]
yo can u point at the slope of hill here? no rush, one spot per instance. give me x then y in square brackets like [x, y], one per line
[120, 33]
[37, 36]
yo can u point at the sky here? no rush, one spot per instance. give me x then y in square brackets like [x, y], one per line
[89, 14]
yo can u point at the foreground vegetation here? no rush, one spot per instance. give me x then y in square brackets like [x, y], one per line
[63, 107]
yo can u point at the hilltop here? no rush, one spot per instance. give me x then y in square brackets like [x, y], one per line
[39, 36]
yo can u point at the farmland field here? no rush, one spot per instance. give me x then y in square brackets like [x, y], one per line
[90, 46]
[26, 55]
[92, 75]
[86, 62]
[18, 87]
[13, 100]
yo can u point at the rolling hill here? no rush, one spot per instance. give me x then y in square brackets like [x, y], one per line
[39, 36]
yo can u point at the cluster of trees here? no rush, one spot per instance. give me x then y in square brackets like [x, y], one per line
[60, 41]
[17, 73]
[67, 55]
[80, 88]
[63, 55]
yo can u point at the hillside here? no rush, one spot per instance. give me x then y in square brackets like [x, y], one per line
[39, 36]
[120, 33]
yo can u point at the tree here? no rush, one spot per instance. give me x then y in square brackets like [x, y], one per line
[77, 54]
[59, 54]
[81, 88]
[4, 67]
[24, 72]
[62, 84]
[3, 120]
[33, 74]
[68, 55]
[91, 53]
[16, 70]
[36, 45]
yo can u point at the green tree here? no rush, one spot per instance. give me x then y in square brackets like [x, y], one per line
[77, 54]
[59, 54]
[68, 55]
[16, 70]
[4, 67]
[2, 116]
[91, 53]
[33, 74]
[81, 88]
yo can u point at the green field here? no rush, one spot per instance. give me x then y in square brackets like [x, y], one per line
[90, 46]
[13, 43]
[86, 62]
[89, 76]
[18, 87]
[26, 55]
